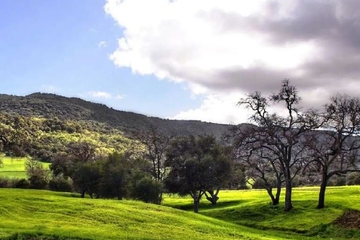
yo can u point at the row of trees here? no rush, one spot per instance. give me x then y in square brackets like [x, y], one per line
[321, 143]
[185, 165]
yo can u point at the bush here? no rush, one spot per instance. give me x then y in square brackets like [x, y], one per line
[5, 182]
[147, 190]
[258, 184]
[37, 182]
[60, 184]
[337, 181]
[38, 175]
[21, 183]
[353, 178]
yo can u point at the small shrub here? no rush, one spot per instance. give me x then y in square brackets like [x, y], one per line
[60, 184]
[5, 182]
[147, 190]
[38, 175]
[353, 178]
[37, 182]
[21, 183]
[337, 181]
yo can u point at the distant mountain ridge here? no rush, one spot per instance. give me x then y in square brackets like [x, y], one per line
[55, 106]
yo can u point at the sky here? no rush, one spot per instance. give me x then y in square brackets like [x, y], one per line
[180, 59]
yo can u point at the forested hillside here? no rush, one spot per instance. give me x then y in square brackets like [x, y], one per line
[75, 109]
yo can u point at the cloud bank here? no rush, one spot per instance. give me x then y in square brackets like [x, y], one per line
[224, 49]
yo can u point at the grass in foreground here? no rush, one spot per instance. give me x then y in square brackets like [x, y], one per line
[64, 216]
[239, 215]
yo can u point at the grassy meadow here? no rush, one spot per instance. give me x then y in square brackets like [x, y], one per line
[14, 167]
[243, 214]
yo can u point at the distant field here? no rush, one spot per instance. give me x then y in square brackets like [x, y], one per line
[244, 214]
[14, 167]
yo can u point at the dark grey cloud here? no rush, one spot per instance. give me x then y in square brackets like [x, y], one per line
[333, 26]
[180, 45]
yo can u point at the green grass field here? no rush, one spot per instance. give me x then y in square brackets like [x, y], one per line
[244, 214]
[14, 167]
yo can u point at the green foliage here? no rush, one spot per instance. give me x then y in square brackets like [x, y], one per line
[43, 138]
[22, 183]
[196, 165]
[115, 174]
[38, 176]
[353, 178]
[60, 184]
[74, 115]
[337, 181]
[147, 190]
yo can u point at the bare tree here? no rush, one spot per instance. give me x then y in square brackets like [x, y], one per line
[261, 165]
[336, 149]
[281, 136]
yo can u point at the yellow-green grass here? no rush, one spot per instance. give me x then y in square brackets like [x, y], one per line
[64, 215]
[252, 208]
[244, 214]
[14, 167]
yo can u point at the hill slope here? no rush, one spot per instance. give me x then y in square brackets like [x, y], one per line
[29, 214]
[61, 216]
[51, 106]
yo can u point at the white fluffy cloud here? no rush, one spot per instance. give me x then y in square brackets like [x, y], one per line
[222, 48]
[217, 108]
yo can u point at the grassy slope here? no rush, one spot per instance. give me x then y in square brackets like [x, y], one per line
[62, 214]
[14, 167]
[252, 208]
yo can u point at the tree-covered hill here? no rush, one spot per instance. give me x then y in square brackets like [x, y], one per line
[75, 109]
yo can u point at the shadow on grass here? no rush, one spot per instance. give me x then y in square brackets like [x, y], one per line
[32, 236]
[205, 205]
[270, 217]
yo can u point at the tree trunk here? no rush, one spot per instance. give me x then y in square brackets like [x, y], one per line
[213, 198]
[196, 196]
[274, 199]
[159, 200]
[324, 180]
[196, 204]
[288, 190]
[269, 191]
[278, 191]
[83, 193]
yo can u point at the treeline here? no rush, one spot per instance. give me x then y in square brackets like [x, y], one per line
[195, 166]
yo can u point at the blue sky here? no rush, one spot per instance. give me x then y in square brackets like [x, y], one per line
[63, 46]
[179, 59]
